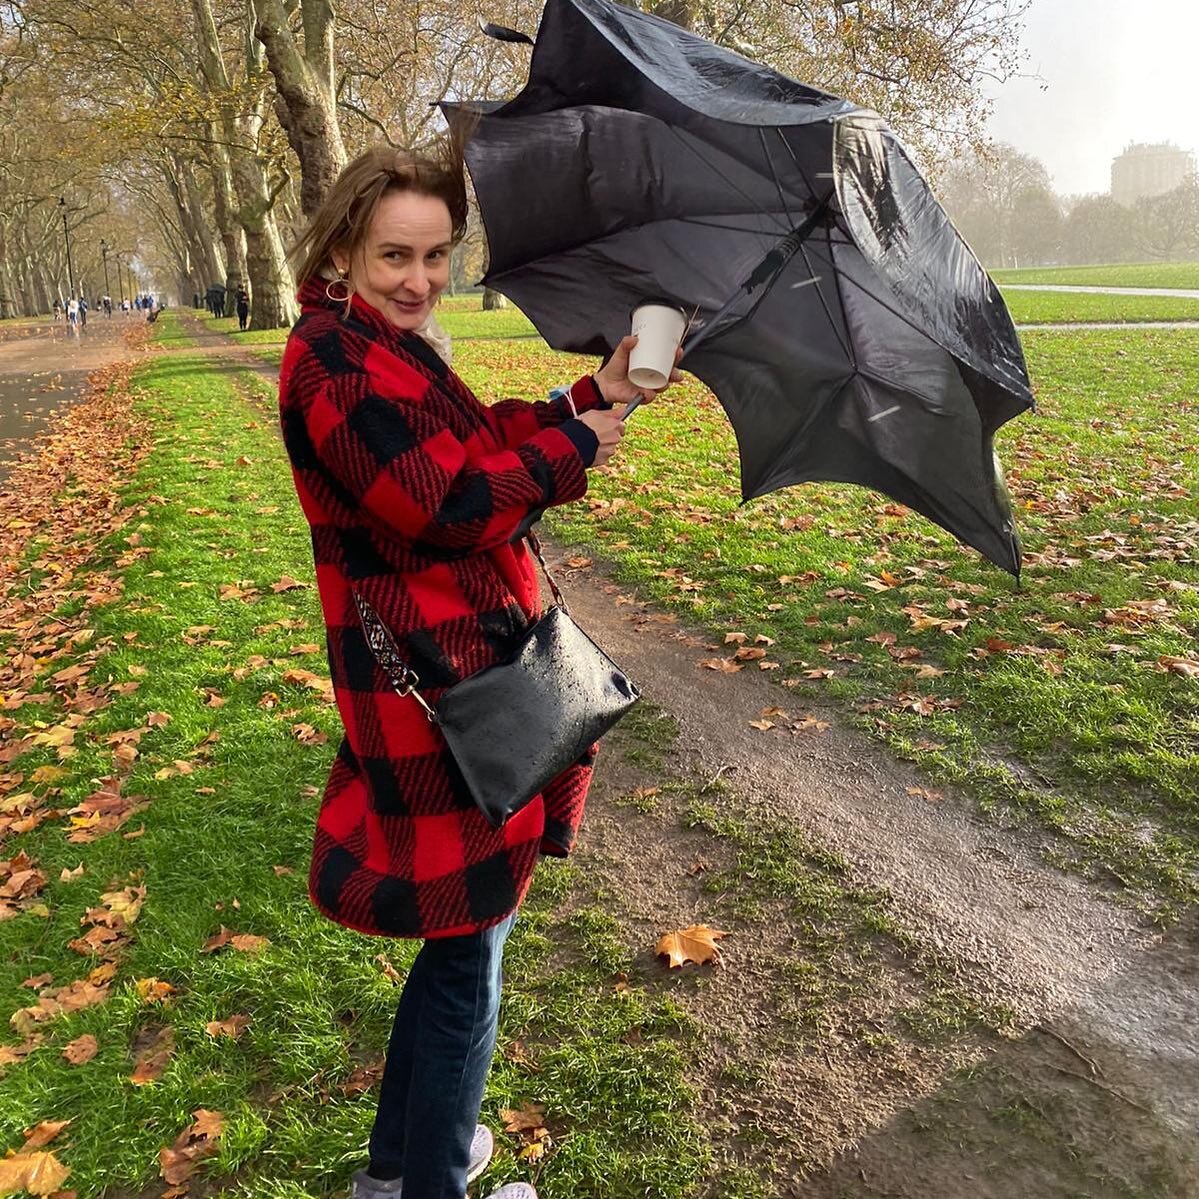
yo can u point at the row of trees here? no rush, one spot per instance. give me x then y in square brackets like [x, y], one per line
[195, 137]
[1004, 205]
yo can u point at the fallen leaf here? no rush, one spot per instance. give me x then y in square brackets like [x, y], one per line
[153, 1058]
[81, 1049]
[178, 1163]
[233, 1027]
[696, 943]
[39, 1173]
[153, 990]
[721, 665]
[42, 1134]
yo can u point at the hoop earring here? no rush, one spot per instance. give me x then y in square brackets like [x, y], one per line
[345, 282]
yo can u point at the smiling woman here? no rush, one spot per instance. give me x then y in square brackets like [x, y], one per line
[419, 497]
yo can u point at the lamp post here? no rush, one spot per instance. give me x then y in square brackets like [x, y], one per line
[104, 254]
[120, 278]
[62, 204]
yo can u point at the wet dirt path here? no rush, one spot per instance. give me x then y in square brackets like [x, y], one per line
[43, 370]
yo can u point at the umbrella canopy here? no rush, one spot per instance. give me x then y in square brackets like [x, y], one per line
[846, 328]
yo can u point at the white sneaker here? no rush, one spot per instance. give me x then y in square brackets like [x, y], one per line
[514, 1190]
[482, 1146]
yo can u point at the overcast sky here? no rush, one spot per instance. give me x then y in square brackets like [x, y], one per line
[1116, 71]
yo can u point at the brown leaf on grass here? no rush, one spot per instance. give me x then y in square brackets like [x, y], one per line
[696, 943]
[200, 1140]
[153, 1048]
[38, 980]
[524, 1118]
[518, 1054]
[249, 943]
[69, 875]
[245, 942]
[761, 725]
[287, 583]
[81, 1049]
[42, 1134]
[928, 672]
[883, 638]
[1187, 667]
[39, 1173]
[819, 673]
[10, 1054]
[105, 941]
[736, 638]
[233, 1026]
[363, 1078]
[154, 990]
[283, 870]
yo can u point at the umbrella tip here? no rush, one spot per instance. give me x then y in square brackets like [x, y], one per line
[502, 33]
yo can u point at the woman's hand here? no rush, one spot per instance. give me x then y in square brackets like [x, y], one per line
[613, 377]
[608, 425]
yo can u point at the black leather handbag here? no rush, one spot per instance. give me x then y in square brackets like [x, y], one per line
[518, 724]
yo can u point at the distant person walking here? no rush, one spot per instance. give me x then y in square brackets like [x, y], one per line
[243, 309]
[83, 312]
[57, 310]
[73, 314]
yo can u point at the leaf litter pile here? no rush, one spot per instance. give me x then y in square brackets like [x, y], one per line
[60, 503]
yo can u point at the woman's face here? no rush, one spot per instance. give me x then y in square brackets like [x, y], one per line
[404, 263]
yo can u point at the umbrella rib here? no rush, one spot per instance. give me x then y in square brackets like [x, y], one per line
[898, 315]
[774, 175]
[717, 171]
[846, 347]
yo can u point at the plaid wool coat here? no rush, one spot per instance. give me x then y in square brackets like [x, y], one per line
[414, 490]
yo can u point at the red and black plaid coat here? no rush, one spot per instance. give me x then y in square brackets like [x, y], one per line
[414, 490]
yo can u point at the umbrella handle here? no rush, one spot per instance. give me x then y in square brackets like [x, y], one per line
[631, 408]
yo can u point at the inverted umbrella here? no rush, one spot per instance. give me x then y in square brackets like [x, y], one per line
[846, 328]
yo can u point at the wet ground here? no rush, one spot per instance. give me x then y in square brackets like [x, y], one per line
[43, 370]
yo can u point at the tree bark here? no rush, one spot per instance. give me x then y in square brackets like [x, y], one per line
[224, 205]
[493, 299]
[305, 92]
[272, 285]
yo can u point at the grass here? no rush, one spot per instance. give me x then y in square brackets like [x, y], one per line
[1183, 275]
[213, 504]
[1069, 700]
[1049, 307]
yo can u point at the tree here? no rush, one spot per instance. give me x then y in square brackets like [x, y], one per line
[1097, 229]
[1167, 226]
[1036, 227]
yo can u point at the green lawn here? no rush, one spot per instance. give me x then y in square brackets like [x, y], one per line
[1056, 307]
[1125, 274]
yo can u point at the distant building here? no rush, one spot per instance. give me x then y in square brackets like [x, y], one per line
[1149, 170]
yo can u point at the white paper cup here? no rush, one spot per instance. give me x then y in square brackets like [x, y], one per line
[659, 329]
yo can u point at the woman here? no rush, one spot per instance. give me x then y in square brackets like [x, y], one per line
[418, 496]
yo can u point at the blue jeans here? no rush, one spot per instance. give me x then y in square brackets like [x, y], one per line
[440, 1052]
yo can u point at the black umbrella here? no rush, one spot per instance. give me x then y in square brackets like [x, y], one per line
[846, 328]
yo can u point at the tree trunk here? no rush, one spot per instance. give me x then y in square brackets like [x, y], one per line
[272, 285]
[305, 97]
[233, 237]
[493, 299]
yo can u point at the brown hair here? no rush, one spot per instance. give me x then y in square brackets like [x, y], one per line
[345, 215]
